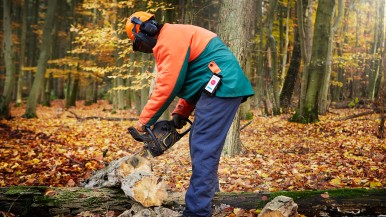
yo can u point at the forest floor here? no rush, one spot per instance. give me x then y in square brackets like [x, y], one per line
[61, 149]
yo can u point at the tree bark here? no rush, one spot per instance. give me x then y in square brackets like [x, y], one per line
[73, 92]
[272, 60]
[236, 15]
[258, 79]
[292, 74]
[45, 52]
[24, 5]
[6, 98]
[286, 42]
[379, 39]
[322, 33]
[325, 87]
[293, 71]
[304, 14]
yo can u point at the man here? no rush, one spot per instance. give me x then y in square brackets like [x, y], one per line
[195, 65]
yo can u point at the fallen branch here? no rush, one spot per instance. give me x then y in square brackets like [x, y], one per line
[245, 125]
[101, 118]
[355, 116]
[374, 111]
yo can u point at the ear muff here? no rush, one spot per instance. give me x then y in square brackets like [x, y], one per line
[143, 40]
[149, 27]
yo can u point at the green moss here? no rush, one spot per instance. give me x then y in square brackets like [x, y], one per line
[46, 200]
[249, 115]
[93, 200]
[15, 190]
[306, 118]
[29, 115]
[68, 196]
[333, 193]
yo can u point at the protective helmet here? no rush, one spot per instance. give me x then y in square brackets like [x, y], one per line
[142, 16]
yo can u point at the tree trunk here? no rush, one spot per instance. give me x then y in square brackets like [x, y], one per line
[22, 52]
[95, 92]
[47, 90]
[114, 93]
[318, 63]
[74, 92]
[68, 89]
[235, 15]
[272, 60]
[304, 14]
[45, 51]
[325, 87]
[286, 42]
[292, 74]
[258, 81]
[45, 201]
[377, 50]
[6, 98]
[89, 92]
[273, 75]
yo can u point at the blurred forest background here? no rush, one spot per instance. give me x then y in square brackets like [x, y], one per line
[309, 61]
[301, 56]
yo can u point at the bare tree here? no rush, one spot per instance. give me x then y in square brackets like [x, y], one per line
[6, 98]
[308, 112]
[45, 51]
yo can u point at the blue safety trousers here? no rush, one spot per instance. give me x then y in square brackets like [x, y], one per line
[213, 118]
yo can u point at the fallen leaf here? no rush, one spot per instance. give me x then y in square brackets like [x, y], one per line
[70, 183]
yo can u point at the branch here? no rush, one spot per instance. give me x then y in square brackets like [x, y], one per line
[101, 118]
[374, 111]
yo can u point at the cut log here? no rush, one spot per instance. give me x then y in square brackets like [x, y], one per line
[133, 174]
[45, 201]
[280, 206]
[145, 188]
[339, 202]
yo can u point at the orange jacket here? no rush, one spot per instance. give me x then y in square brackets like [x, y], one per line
[182, 55]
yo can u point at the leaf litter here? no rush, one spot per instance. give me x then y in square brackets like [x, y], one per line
[60, 150]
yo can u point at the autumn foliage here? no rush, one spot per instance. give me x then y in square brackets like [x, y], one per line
[61, 149]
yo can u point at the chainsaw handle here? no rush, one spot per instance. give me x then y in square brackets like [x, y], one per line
[152, 136]
[187, 130]
[140, 138]
[135, 134]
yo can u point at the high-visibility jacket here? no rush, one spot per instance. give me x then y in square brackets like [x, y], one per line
[183, 54]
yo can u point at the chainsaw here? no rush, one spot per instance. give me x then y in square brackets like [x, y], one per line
[159, 138]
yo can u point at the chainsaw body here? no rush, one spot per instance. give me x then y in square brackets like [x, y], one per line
[160, 138]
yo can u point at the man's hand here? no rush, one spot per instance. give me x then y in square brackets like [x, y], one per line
[179, 121]
[140, 127]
